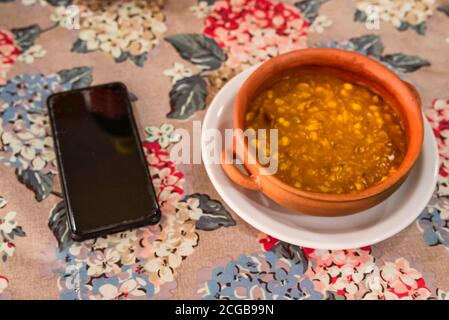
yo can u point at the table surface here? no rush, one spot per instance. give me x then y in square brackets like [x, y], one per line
[174, 56]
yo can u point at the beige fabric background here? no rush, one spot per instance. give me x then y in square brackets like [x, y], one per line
[30, 269]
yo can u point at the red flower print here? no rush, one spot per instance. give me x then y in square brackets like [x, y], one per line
[307, 251]
[156, 156]
[250, 31]
[341, 271]
[267, 242]
[438, 116]
[166, 179]
[8, 53]
[404, 281]
[396, 281]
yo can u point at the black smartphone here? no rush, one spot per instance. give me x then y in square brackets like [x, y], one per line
[104, 175]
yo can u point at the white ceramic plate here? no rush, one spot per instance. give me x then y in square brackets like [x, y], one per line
[354, 231]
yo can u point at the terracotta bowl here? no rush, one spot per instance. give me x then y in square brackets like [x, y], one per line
[352, 67]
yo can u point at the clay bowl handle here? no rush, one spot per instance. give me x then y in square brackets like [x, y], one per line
[243, 180]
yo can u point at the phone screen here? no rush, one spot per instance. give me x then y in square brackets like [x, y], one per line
[104, 174]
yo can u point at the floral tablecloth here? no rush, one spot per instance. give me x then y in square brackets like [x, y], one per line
[174, 56]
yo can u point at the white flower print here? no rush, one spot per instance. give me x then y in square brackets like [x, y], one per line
[3, 202]
[319, 24]
[9, 230]
[123, 29]
[442, 295]
[125, 237]
[34, 52]
[92, 43]
[127, 289]
[161, 267]
[103, 262]
[29, 146]
[4, 282]
[8, 224]
[164, 134]
[413, 12]
[177, 72]
[33, 2]
[201, 10]
[190, 208]
[179, 241]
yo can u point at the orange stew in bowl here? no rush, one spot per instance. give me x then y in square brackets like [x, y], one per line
[334, 136]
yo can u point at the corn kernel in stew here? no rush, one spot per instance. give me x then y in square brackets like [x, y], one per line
[334, 136]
